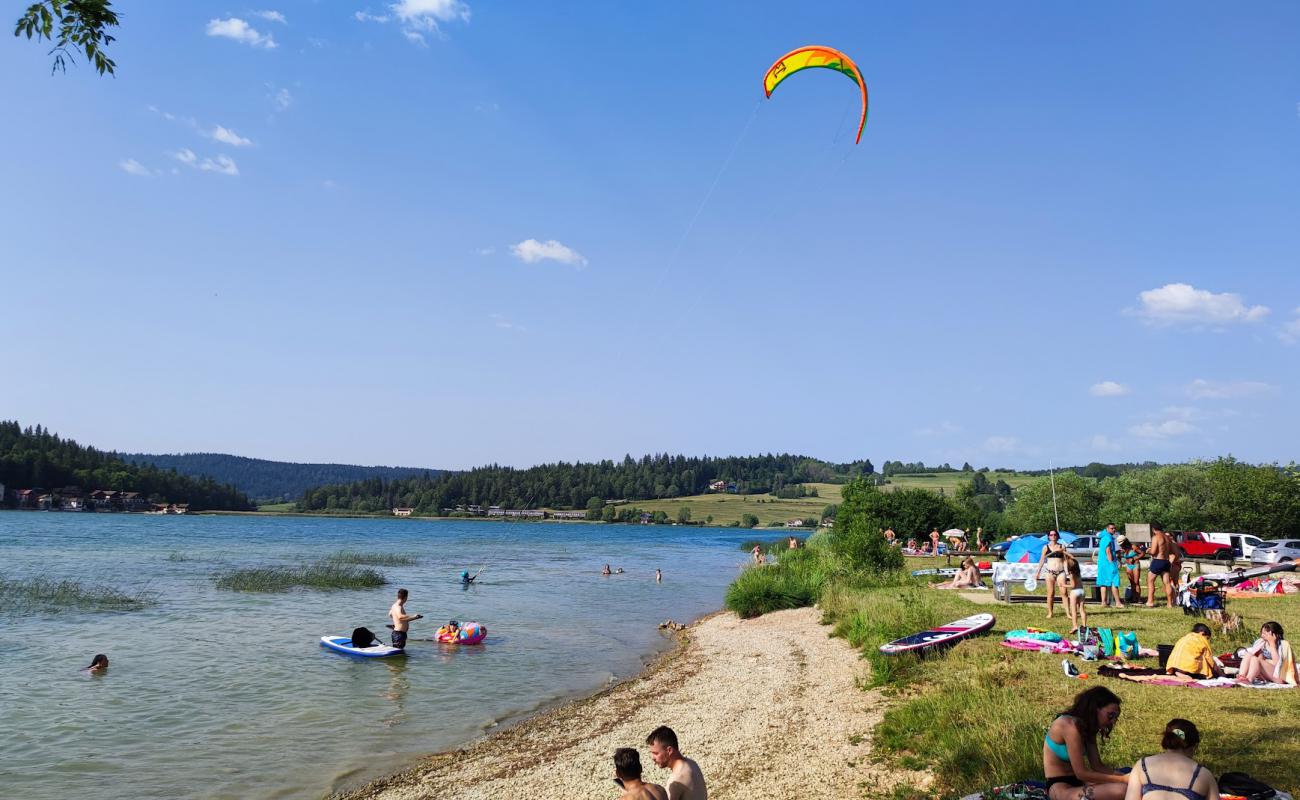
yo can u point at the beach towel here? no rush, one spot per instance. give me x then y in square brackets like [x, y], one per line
[1155, 677]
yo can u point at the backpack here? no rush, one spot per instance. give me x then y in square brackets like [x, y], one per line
[1239, 783]
[362, 637]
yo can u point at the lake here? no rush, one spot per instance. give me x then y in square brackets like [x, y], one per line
[220, 694]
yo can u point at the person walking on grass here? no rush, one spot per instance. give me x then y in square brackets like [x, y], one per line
[627, 774]
[1175, 771]
[1053, 559]
[1071, 756]
[401, 619]
[1108, 567]
[686, 781]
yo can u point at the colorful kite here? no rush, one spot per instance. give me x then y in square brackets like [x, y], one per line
[815, 56]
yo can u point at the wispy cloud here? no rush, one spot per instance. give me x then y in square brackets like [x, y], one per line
[1109, 389]
[942, 429]
[487, 108]
[226, 135]
[1289, 333]
[503, 322]
[240, 31]
[1104, 443]
[366, 16]
[1181, 304]
[281, 99]
[273, 16]
[530, 251]
[485, 251]
[132, 167]
[220, 164]
[419, 17]
[1167, 429]
[1001, 444]
[1202, 389]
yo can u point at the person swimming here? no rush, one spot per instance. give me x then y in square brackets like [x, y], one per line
[467, 579]
[98, 664]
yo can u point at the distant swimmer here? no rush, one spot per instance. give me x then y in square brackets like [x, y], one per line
[659, 576]
[627, 774]
[401, 620]
[686, 781]
[98, 664]
[467, 579]
[606, 571]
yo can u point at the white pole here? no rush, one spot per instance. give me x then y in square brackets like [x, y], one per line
[1055, 514]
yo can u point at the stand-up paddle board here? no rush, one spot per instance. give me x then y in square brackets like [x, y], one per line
[941, 636]
[1238, 575]
[343, 644]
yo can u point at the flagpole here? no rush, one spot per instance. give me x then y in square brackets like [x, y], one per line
[1051, 470]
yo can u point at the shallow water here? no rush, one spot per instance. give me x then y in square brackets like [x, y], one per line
[217, 694]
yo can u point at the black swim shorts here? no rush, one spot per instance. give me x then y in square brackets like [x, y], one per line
[1159, 566]
[399, 640]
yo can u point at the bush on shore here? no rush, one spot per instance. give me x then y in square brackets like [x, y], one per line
[794, 581]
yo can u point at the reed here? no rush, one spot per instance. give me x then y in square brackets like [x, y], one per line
[321, 575]
[19, 595]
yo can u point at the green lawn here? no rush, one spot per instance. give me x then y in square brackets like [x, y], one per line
[726, 508]
[949, 481]
[279, 507]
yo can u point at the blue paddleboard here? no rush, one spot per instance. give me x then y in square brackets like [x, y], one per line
[343, 644]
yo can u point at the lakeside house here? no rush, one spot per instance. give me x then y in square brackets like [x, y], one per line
[794, 523]
[402, 511]
[71, 498]
[569, 514]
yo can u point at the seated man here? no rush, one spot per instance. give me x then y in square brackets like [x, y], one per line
[627, 774]
[1192, 657]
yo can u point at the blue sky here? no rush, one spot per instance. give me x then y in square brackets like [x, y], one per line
[439, 233]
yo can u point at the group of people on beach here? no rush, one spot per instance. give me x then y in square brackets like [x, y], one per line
[685, 780]
[1269, 660]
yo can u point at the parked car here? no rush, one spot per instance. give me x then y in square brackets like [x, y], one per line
[1196, 545]
[1242, 544]
[1084, 547]
[1275, 551]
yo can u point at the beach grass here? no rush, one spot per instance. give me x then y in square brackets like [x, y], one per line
[373, 559]
[19, 595]
[321, 575]
[794, 581]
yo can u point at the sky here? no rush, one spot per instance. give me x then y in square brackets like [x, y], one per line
[442, 233]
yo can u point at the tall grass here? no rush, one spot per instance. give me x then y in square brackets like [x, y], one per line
[373, 559]
[795, 581]
[323, 575]
[19, 595]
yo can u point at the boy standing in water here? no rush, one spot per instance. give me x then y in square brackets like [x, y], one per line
[401, 620]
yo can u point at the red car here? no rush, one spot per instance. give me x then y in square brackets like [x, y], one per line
[1195, 545]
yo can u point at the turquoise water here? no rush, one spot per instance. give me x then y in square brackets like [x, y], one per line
[216, 694]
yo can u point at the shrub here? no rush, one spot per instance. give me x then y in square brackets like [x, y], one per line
[857, 537]
[795, 581]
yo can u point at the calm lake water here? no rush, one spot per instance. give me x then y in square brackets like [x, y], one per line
[217, 694]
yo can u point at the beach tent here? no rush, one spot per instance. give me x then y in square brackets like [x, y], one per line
[1029, 548]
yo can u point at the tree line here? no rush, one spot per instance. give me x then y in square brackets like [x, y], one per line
[571, 485]
[33, 457]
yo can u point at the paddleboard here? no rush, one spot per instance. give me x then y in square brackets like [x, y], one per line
[343, 644]
[1238, 575]
[941, 636]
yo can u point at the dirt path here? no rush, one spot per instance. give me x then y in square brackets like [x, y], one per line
[769, 707]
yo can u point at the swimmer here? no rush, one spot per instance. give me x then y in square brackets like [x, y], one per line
[98, 664]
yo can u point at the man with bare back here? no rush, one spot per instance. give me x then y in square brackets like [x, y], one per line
[401, 620]
[1161, 552]
[686, 781]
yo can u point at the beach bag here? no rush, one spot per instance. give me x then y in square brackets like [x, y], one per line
[362, 637]
[1241, 784]
[1127, 644]
[1107, 638]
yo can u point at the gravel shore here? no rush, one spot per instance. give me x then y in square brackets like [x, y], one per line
[769, 707]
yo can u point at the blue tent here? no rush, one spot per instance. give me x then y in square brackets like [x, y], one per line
[1029, 548]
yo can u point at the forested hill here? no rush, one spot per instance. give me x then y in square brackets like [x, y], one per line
[35, 458]
[271, 480]
[565, 485]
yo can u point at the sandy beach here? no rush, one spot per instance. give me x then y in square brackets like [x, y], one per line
[769, 707]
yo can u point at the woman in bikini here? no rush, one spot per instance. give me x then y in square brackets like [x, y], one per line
[1053, 558]
[1071, 758]
[1269, 659]
[1174, 773]
[1131, 559]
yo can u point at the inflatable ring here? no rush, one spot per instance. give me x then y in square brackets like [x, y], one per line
[469, 633]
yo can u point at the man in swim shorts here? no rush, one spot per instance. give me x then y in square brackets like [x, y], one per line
[1160, 565]
[686, 781]
[401, 620]
[627, 772]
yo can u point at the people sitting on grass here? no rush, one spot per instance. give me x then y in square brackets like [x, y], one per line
[1074, 608]
[1072, 761]
[1191, 655]
[686, 781]
[969, 576]
[1053, 560]
[1269, 659]
[1174, 772]
[627, 774]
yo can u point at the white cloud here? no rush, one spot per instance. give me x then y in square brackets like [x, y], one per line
[239, 30]
[1001, 444]
[280, 98]
[223, 134]
[414, 36]
[273, 16]
[1202, 389]
[943, 428]
[485, 251]
[426, 14]
[531, 251]
[1290, 332]
[221, 164]
[365, 16]
[1104, 443]
[1108, 389]
[132, 167]
[1183, 304]
[1162, 430]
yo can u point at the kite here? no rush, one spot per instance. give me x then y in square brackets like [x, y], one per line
[816, 56]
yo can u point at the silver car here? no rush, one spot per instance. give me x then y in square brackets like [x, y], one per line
[1276, 551]
[1083, 547]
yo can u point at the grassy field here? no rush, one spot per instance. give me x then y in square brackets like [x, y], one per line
[949, 481]
[974, 716]
[278, 507]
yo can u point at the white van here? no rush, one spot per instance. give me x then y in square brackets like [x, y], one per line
[1242, 544]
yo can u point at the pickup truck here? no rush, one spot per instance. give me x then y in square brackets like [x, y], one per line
[1195, 545]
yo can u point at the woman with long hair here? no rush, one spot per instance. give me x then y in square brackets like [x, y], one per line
[1269, 659]
[1071, 756]
[1053, 559]
[1173, 773]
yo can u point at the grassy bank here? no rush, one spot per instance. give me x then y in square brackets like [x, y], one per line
[22, 595]
[975, 716]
